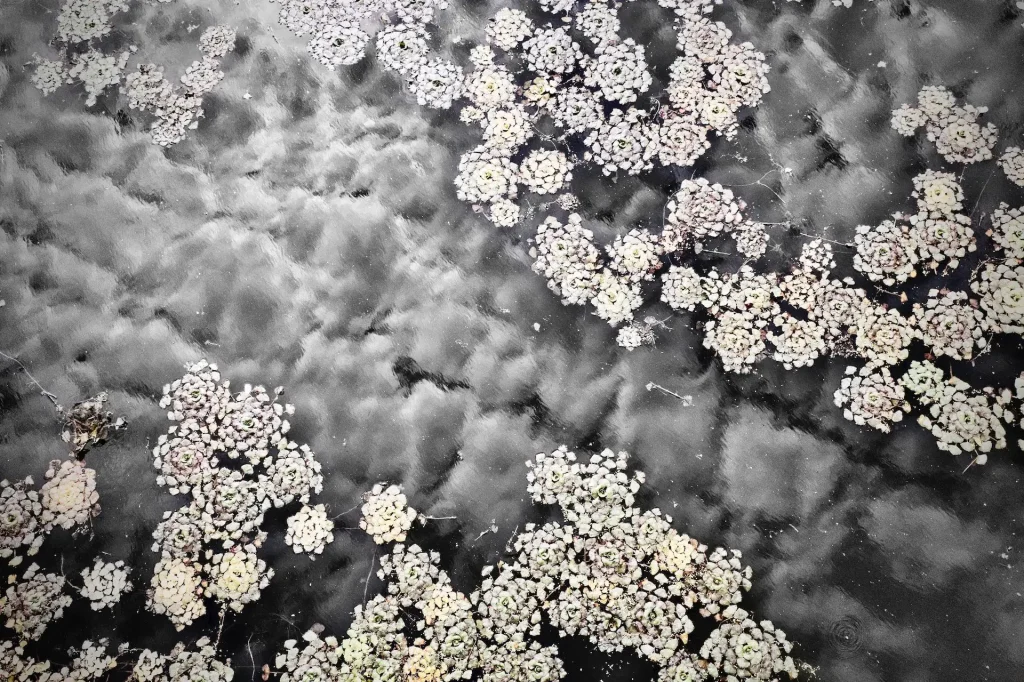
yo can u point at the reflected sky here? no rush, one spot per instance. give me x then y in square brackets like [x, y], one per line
[308, 235]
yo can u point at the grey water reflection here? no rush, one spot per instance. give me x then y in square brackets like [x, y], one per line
[308, 235]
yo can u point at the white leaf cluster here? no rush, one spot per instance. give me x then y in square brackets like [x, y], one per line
[178, 108]
[69, 496]
[33, 602]
[1012, 163]
[437, 84]
[636, 255]
[622, 578]
[1000, 286]
[871, 397]
[91, 662]
[599, 23]
[183, 665]
[309, 530]
[486, 176]
[619, 73]
[1008, 230]
[963, 420]
[104, 583]
[586, 76]
[386, 514]
[882, 334]
[949, 324]
[957, 135]
[237, 577]
[566, 256]
[634, 335]
[625, 141]
[545, 171]
[21, 525]
[937, 234]
[229, 452]
[97, 71]
[744, 650]
[82, 20]
[508, 27]
[49, 74]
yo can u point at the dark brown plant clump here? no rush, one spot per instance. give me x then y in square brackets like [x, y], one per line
[87, 424]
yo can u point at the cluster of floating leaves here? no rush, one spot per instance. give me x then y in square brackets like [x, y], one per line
[622, 578]
[801, 315]
[837, 3]
[69, 496]
[574, 71]
[68, 500]
[954, 130]
[176, 108]
[21, 520]
[104, 583]
[36, 598]
[91, 662]
[579, 74]
[31, 603]
[183, 664]
[1012, 163]
[230, 452]
[309, 530]
[386, 514]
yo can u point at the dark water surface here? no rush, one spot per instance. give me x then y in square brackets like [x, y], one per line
[309, 236]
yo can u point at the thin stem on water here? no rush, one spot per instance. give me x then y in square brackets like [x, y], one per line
[50, 396]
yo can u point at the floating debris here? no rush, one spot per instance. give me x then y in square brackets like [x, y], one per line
[87, 424]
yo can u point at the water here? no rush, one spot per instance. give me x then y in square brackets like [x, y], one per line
[309, 236]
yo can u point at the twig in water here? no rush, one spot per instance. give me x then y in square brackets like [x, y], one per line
[220, 628]
[366, 586]
[347, 511]
[687, 400]
[982, 458]
[976, 203]
[511, 538]
[248, 645]
[492, 529]
[281, 616]
[52, 398]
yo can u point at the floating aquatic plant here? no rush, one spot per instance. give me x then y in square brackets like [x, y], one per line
[177, 108]
[955, 130]
[104, 583]
[230, 453]
[21, 525]
[624, 579]
[33, 601]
